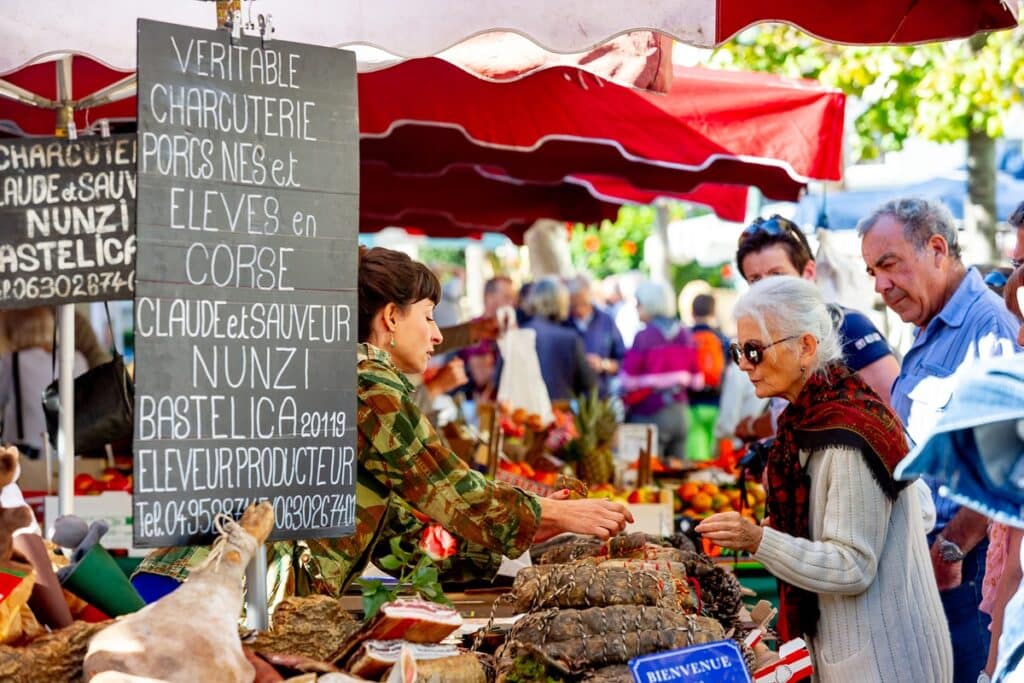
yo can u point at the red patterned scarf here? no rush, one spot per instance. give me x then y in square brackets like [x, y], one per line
[835, 408]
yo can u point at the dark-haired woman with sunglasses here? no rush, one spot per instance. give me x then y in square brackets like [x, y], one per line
[845, 539]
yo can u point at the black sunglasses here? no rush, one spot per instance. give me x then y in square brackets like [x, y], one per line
[776, 226]
[753, 351]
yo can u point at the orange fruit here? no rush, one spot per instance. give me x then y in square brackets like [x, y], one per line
[720, 502]
[701, 502]
[758, 491]
[519, 416]
[688, 490]
[709, 488]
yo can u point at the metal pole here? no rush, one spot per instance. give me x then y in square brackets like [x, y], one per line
[66, 332]
[256, 591]
[66, 384]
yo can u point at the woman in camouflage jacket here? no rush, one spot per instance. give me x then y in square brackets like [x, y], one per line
[406, 477]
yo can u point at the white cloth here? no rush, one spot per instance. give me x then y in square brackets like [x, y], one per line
[867, 559]
[36, 372]
[10, 497]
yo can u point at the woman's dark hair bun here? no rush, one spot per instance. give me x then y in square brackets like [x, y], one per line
[388, 276]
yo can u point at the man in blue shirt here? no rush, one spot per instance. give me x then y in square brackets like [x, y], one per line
[911, 249]
[601, 338]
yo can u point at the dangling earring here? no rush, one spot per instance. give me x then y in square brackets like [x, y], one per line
[392, 340]
[803, 370]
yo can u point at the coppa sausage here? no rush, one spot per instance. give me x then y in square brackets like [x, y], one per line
[242, 265]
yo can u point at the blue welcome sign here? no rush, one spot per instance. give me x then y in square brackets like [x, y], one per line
[717, 662]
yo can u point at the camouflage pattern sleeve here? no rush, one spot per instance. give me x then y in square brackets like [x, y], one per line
[402, 452]
[471, 562]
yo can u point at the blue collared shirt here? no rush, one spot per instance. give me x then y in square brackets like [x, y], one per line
[600, 336]
[974, 324]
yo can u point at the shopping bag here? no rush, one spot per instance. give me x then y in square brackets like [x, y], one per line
[104, 407]
[104, 404]
[521, 384]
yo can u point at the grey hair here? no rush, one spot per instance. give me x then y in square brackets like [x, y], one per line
[549, 299]
[921, 218]
[788, 306]
[578, 283]
[657, 298]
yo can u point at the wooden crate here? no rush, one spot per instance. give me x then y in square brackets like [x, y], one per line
[653, 518]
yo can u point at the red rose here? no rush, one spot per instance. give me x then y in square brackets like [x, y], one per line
[437, 543]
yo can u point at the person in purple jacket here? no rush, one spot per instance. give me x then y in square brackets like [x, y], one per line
[659, 369]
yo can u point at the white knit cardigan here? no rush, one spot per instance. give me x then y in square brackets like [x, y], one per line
[867, 559]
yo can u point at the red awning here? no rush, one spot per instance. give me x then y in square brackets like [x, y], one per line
[424, 115]
[587, 196]
[465, 198]
[87, 78]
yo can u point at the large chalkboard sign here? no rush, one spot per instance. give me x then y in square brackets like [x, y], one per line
[67, 220]
[245, 310]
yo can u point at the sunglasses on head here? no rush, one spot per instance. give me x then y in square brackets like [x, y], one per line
[776, 226]
[753, 351]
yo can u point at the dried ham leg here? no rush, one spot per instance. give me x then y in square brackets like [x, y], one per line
[192, 634]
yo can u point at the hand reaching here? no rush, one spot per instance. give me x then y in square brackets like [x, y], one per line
[731, 530]
[588, 516]
[451, 376]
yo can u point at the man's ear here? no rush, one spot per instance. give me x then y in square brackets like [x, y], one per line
[810, 271]
[937, 245]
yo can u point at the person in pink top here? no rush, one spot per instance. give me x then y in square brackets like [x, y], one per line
[659, 368]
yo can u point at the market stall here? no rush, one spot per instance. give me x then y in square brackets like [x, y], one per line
[588, 610]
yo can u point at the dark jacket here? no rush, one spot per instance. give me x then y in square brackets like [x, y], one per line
[563, 363]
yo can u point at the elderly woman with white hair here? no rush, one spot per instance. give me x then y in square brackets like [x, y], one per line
[843, 536]
[659, 368]
[563, 362]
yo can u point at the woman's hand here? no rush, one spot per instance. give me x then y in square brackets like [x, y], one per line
[589, 516]
[731, 530]
[450, 377]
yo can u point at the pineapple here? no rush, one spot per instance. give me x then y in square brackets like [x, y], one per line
[595, 423]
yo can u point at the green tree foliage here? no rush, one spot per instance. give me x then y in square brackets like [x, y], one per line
[612, 247]
[957, 90]
[940, 91]
[618, 246]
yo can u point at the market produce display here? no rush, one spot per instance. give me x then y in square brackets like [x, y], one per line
[573, 641]
[562, 585]
[592, 606]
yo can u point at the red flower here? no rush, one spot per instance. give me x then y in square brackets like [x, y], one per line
[437, 543]
[629, 248]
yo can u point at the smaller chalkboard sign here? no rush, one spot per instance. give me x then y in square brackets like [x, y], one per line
[717, 662]
[67, 220]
